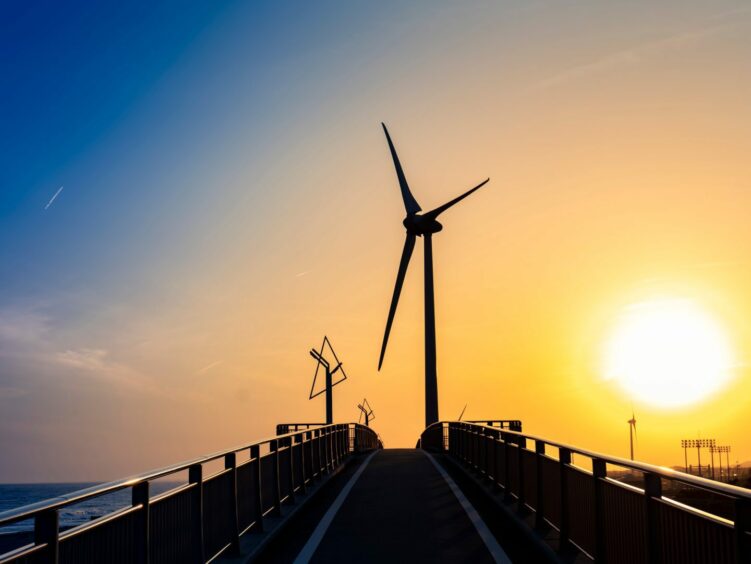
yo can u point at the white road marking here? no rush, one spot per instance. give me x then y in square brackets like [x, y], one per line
[315, 539]
[487, 537]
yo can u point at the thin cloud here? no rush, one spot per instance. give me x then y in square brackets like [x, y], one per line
[634, 55]
[209, 367]
[12, 393]
[96, 363]
[303, 273]
[53, 198]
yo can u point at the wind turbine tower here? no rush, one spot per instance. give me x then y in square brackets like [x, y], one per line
[420, 225]
[632, 433]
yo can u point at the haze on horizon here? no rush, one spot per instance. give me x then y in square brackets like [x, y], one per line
[229, 198]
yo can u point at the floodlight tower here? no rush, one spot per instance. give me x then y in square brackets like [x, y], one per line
[329, 383]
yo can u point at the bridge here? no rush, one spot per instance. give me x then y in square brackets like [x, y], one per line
[478, 491]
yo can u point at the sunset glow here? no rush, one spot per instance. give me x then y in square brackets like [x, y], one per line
[668, 353]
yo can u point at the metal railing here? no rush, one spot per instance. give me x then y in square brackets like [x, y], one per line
[199, 520]
[608, 520]
[510, 424]
[284, 428]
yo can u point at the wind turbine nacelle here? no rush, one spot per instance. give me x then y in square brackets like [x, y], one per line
[420, 225]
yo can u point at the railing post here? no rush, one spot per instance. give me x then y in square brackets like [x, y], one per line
[291, 482]
[195, 477]
[47, 531]
[742, 530]
[487, 437]
[140, 496]
[599, 473]
[652, 492]
[319, 447]
[274, 447]
[564, 460]
[496, 456]
[506, 467]
[230, 463]
[301, 440]
[326, 450]
[540, 505]
[522, 445]
[255, 454]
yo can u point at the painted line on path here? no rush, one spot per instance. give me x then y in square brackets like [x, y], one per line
[498, 554]
[317, 536]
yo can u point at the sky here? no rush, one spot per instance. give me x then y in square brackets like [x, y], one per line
[193, 194]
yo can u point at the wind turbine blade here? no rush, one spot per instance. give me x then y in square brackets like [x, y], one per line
[409, 245]
[410, 204]
[462, 413]
[439, 210]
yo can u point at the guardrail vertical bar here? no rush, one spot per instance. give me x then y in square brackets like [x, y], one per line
[564, 461]
[496, 455]
[487, 437]
[652, 492]
[540, 485]
[291, 446]
[742, 527]
[230, 463]
[303, 472]
[522, 445]
[274, 448]
[195, 477]
[47, 531]
[506, 467]
[599, 473]
[140, 496]
[255, 454]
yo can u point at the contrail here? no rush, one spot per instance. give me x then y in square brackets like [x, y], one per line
[209, 367]
[52, 199]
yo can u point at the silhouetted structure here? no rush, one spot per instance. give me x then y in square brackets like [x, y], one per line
[365, 411]
[631, 433]
[329, 374]
[420, 225]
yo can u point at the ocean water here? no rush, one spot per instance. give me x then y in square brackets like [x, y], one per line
[17, 495]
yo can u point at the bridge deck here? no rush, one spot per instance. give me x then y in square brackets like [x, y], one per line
[400, 508]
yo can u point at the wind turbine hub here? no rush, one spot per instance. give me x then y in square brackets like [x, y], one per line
[420, 225]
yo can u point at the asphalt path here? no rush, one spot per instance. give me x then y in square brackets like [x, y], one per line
[397, 506]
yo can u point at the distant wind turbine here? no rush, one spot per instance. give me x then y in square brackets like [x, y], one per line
[462, 413]
[422, 225]
[632, 432]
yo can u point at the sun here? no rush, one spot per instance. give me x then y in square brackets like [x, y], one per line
[668, 353]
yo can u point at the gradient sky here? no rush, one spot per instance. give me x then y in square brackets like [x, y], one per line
[228, 198]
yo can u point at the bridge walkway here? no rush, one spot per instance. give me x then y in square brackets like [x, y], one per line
[397, 506]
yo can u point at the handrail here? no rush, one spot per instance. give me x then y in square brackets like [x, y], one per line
[593, 513]
[31, 510]
[663, 471]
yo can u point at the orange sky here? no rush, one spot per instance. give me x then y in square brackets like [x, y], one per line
[616, 139]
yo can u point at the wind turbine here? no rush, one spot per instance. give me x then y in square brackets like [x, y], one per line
[632, 432]
[420, 225]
